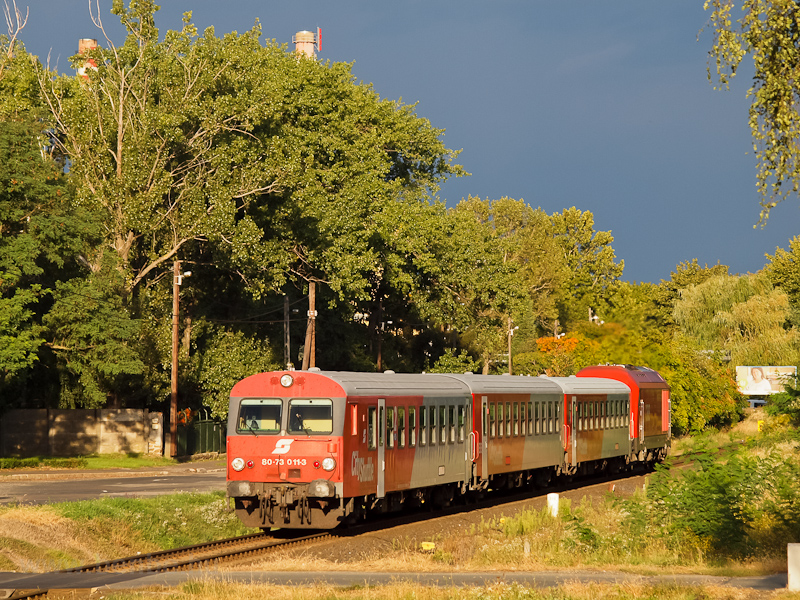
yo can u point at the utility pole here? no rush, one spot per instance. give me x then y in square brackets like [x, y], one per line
[173, 405]
[309, 352]
[287, 349]
[177, 280]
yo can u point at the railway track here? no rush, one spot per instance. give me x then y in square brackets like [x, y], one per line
[190, 557]
[177, 559]
[259, 544]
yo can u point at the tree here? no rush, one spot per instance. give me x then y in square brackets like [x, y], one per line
[592, 269]
[668, 292]
[264, 169]
[39, 238]
[276, 161]
[741, 316]
[768, 32]
[783, 270]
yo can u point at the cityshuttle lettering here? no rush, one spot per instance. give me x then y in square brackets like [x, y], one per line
[364, 469]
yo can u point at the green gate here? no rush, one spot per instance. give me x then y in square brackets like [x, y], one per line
[201, 436]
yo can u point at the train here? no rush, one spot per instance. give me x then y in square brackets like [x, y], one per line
[321, 449]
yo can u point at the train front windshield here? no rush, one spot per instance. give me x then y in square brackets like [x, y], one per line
[265, 416]
[260, 415]
[311, 416]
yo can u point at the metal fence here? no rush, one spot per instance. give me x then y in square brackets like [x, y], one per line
[201, 436]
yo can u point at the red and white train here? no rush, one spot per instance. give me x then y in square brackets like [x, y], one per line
[315, 449]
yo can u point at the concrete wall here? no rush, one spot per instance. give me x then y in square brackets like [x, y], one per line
[43, 432]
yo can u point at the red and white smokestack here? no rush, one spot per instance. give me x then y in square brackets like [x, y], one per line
[307, 42]
[84, 46]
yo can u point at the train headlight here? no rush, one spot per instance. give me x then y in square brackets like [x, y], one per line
[237, 464]
[328, 464]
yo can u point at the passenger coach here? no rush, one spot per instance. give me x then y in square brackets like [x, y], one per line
[313, 449]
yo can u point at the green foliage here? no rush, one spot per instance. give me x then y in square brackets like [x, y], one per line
[450, 362]
[96, 338]
[593, 272]
[767, 32]
[34, 462]
[668, 292]
[162, 522]
[743, 506]
[783, 270]
[39, 233]
[229, 357]
[741, 315]
[785, 403]
[703, 392]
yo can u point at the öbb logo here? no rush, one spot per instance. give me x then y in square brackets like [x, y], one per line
[361, 468]
[282, 447]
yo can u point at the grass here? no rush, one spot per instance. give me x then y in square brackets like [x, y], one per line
[211, 590]
[94, 461]
[158, 523]
[57, 536]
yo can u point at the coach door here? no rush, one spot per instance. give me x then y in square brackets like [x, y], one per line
[466, 411]
[573, 411]
[381, 491]
[484, 441]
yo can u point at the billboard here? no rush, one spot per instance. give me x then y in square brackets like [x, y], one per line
[762, 381]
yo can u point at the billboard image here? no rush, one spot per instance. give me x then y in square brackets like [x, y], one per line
[762, 381]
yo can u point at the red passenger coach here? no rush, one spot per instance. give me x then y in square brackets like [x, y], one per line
[650, 411]
[314, 449]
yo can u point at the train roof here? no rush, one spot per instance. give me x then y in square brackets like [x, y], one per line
[506, 384]
[633, 376]
[590, 385]
[347, 383]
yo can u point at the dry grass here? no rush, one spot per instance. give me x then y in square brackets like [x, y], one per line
[36, 538]
[211, 590]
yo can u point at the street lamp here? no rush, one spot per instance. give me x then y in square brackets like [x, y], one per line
[511, 331]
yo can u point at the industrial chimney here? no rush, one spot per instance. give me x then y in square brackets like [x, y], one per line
[84, 46]
[307, 42]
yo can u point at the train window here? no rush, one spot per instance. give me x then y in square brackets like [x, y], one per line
[627, 413]
[461, 425]
[401, 427]
[442, 424]
[390, 434]
[516, 418]
[536, 418]
[451, 421]
[432, 423]
[508, 419]
[423, 426]
[530, 418]
[492, 422]
[260, 415]
[558, 416]
[412, 426]
[523, 423]
[550, 417]
[501, 427]
[310, 416]
[371, 428]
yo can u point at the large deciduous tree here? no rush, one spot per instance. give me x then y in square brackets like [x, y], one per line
[262, 167]
[277, 160]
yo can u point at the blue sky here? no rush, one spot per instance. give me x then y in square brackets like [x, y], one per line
[604, 106]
